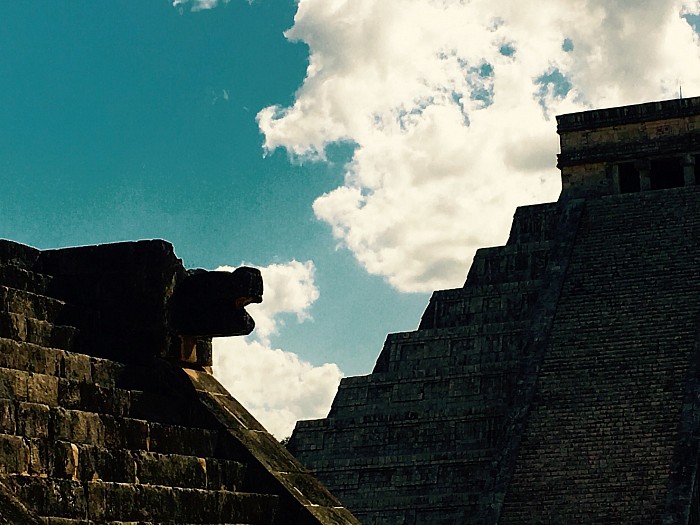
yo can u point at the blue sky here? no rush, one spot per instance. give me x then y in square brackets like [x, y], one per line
[131, 120]
[358, 151]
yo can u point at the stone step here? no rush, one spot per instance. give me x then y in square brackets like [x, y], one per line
[15, 276]
[456, 376]
[469, 305]
[534, 223]
[29, 357]
[38, 421]
[31, 305]
[26, 329]
[175, 470]
[81, 382]
[112, 432]
[115, 401]
[41, 421]
[105, 373]
[102, 502]
[82, 462]
[509, 264]
[474, 458]
[435, 395]
[60, 459]
[436, 349]
[482, 297]
[403, 420]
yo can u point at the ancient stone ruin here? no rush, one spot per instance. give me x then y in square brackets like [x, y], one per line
[561, 383]
[108, 411]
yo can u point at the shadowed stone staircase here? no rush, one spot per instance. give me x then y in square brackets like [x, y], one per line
[108, 416]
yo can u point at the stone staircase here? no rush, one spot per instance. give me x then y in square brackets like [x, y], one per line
[559, 385]
[89, 440]
[618, 357]
[430, 416]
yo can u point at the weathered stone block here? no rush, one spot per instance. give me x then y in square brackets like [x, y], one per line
[13, 326]
[42, 389]
[14, 276]
[30, 305]
[13, 384]
[173, 439]
[39, 456]
[113, 465]
[171, 469]
[101, 400]
[97, 502]
[69, 521]
[44, 360]
[8, 419]
[224, 474]
[14, 455]
[106, 372]
[76, 367]
[69, 395]
[33, 420]
[66, 459]
[77, 426]
[132, 434]
[13, 355]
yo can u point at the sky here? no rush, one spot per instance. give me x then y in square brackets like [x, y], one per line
[357, 151]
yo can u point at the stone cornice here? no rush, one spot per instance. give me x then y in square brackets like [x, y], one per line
[649, 111]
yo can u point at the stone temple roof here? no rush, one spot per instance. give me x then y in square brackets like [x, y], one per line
[108, 412]
[561, 383]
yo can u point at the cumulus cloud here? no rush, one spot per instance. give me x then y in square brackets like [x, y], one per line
[450, 106]
[277, 386]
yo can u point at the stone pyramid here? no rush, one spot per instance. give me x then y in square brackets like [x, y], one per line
[561, 383]
[109, 415]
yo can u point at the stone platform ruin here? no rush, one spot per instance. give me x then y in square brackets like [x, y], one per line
[561, 383]
[108, 412]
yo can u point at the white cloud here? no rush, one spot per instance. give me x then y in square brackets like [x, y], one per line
[277, 386]
[451, 105]
[200, 5]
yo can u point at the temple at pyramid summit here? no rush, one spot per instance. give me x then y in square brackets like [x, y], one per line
[561, 383]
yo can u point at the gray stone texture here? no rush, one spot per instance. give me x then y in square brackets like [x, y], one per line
[102, 422]
[561, 383]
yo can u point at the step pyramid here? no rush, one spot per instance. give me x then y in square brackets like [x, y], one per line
[101, 421]
[561, 383]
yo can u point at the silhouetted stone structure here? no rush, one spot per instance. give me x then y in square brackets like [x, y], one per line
[108, 413]
[561, 384]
